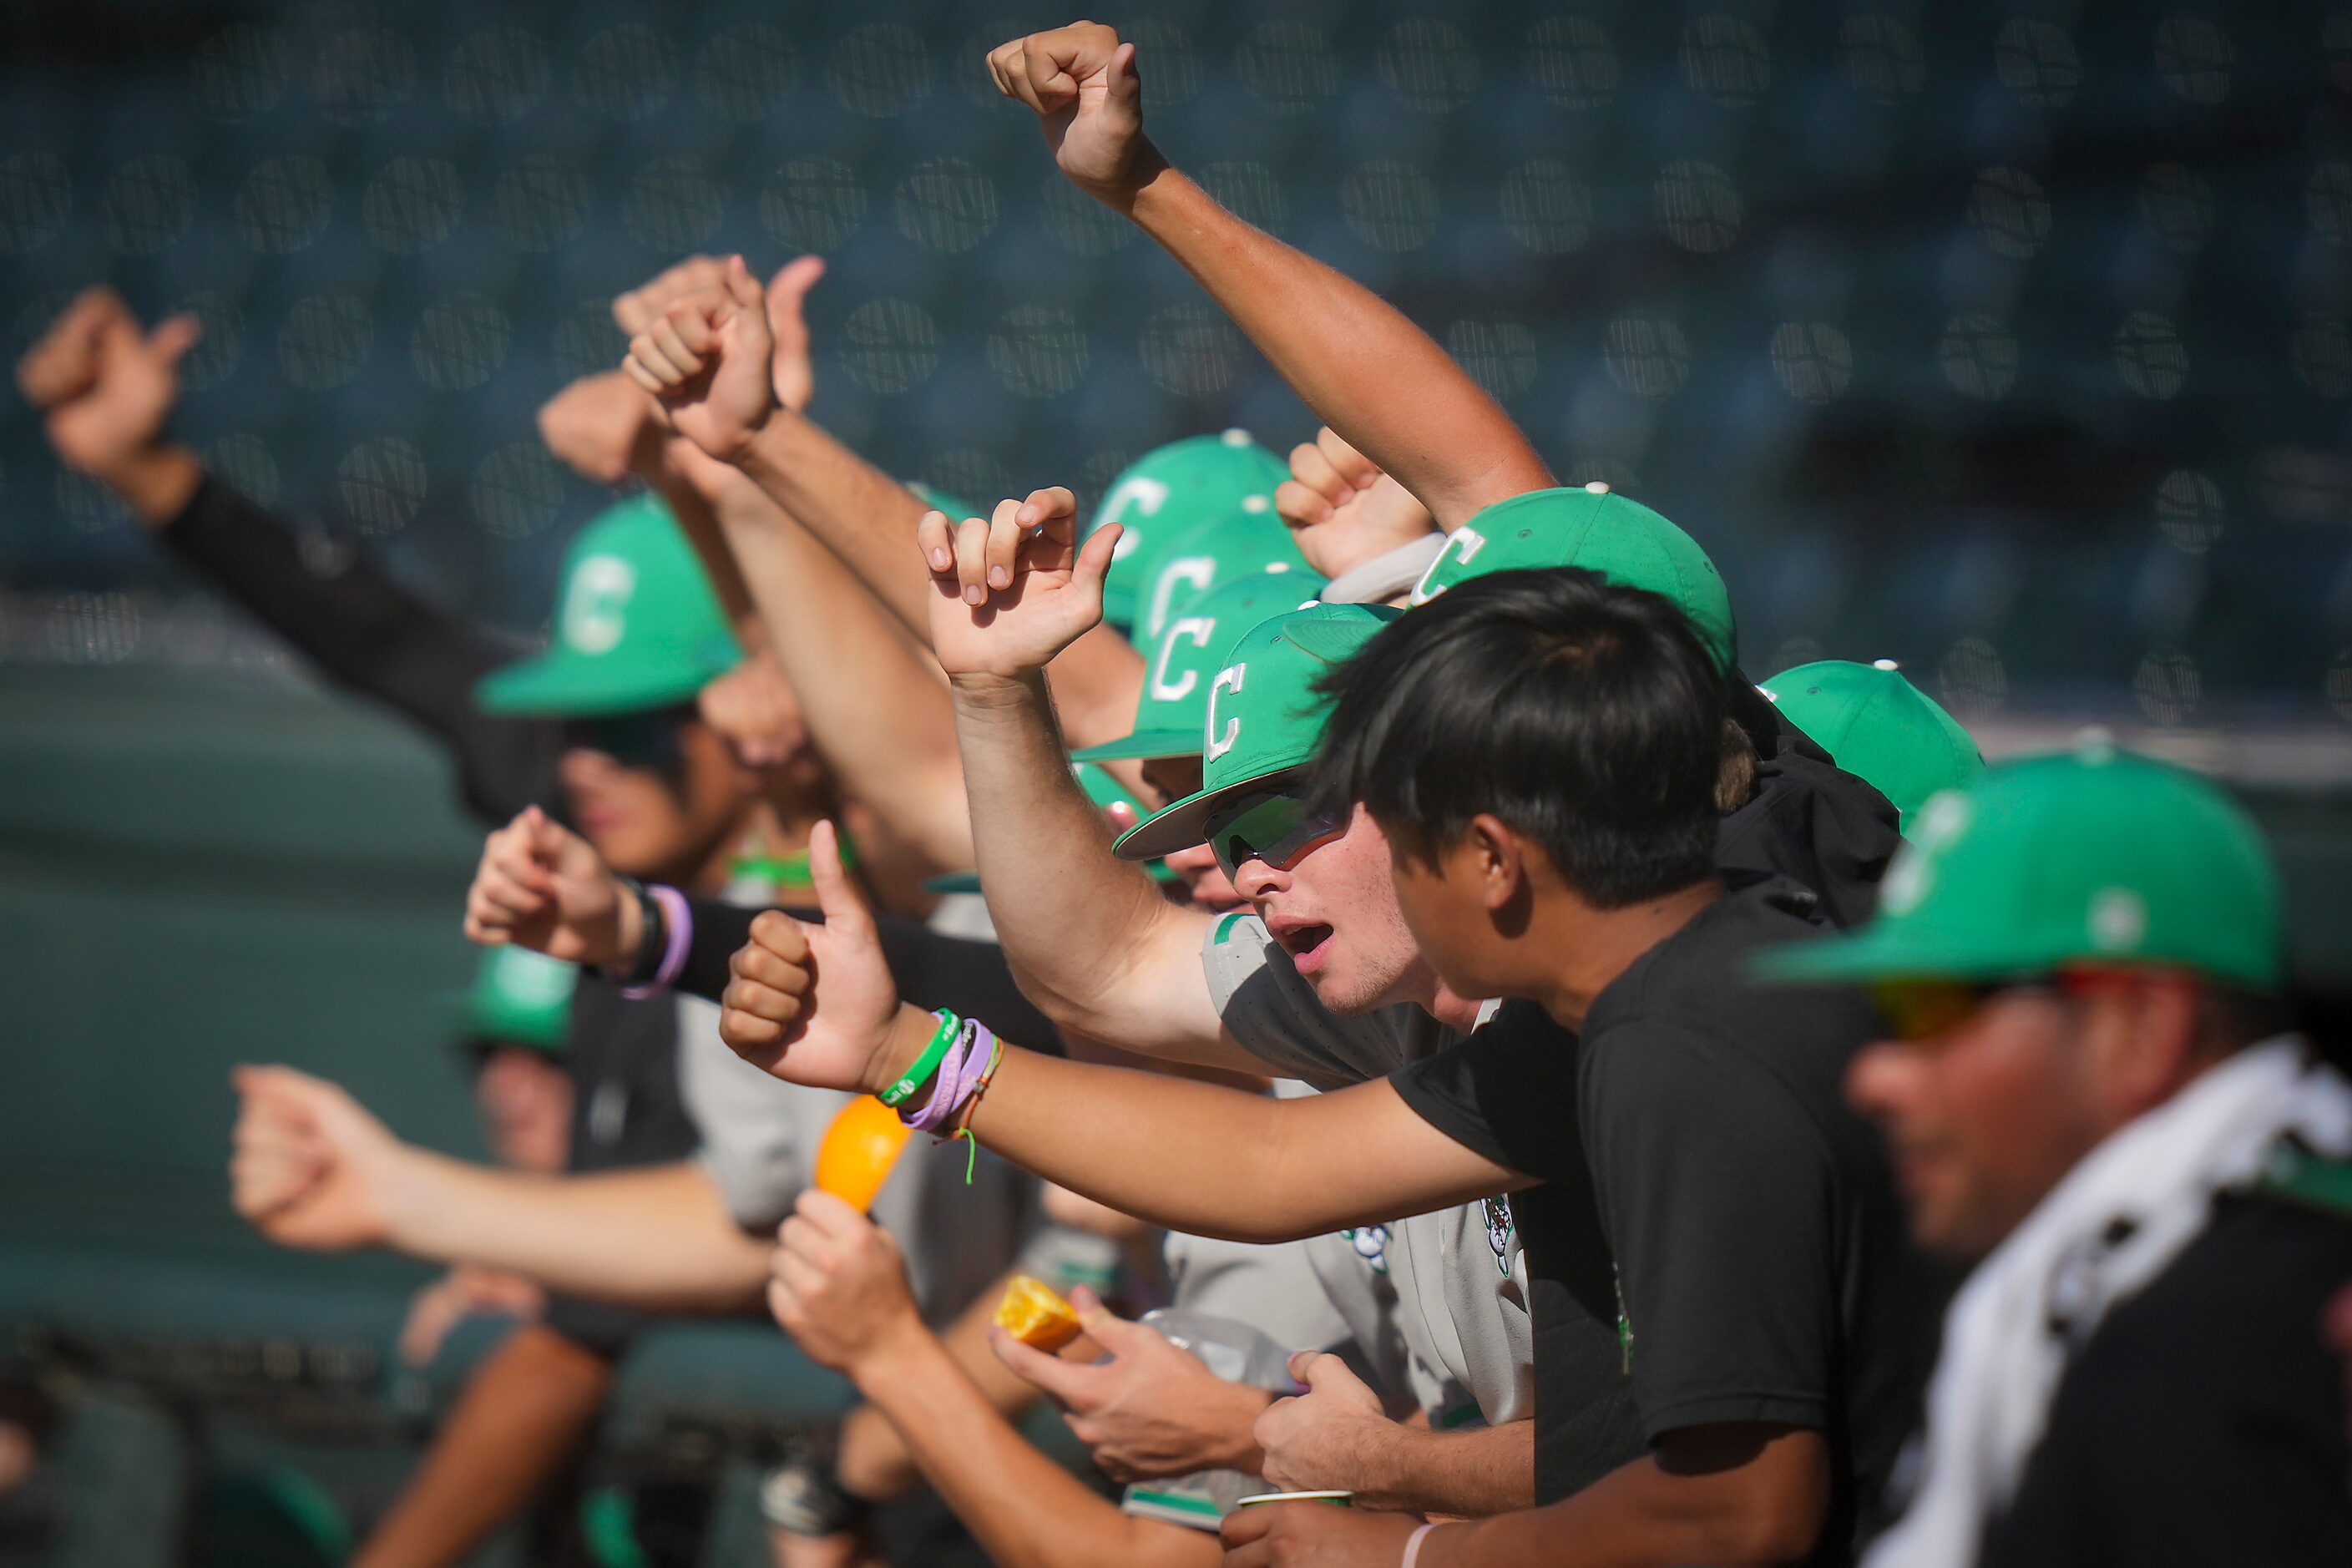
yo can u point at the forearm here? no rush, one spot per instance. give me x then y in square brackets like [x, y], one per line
[868, 519]
[1345, 352]
[1089, 934]
[697, 519]
[874, 703]
[1646, 1515]
[657, 1236]
[1484, 1472]
[1213, 1161]
[1025, 1510]
[875, 1460]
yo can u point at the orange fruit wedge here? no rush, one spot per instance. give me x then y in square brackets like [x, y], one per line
[1033, 1313]
[858, 1151]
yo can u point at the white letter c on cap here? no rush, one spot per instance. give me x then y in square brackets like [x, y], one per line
[1227, 680]
[1465, 543]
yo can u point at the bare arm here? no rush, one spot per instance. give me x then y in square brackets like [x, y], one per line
[1088, 935]
[874, 703]
[709, 365]
[1365, 369]
[1720, 1494]
[656, 1237]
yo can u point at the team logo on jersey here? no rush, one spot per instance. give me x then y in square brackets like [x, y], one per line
[596, 609]
[1228, 680]
[1498, 1229]
[1372, 1245]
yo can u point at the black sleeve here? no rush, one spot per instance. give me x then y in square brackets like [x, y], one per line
[1508, 1093]
[1719, 1197]
[932, 971]
[368, 634]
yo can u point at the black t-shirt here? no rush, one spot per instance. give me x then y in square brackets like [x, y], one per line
[1763, 1270]
[2204, 1422]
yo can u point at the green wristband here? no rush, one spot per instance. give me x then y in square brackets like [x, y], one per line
[915, 1077]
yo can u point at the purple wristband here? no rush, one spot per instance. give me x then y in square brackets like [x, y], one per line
[959, 1075]
[678, 915]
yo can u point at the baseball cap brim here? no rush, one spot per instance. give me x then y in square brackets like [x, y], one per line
[1880, 953]
[1143, 745]
[563, 685]
[1186, 823]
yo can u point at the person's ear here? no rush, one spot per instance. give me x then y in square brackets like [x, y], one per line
[1498, 859]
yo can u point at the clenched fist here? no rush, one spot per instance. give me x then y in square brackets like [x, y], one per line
[1343, 509]
[105, 387]
[310, 1167]
[1082, 81]
[708, 362]
[541, 885]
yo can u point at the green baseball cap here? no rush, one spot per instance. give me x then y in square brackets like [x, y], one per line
[1210, 554]
[521, 995]
[1879, 727]
[1263, 716]
[1170, 489]
[637, 625]
[1601, 531]
[2092, 857]
[1104, 791]
[1174, 702]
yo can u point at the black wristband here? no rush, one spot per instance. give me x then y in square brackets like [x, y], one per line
[653, 935]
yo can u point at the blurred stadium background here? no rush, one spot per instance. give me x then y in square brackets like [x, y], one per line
[2009, 341]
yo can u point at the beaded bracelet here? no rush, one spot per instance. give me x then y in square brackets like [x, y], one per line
[915, 1077]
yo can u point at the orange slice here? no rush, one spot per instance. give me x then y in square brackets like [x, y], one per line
[1033, 1313]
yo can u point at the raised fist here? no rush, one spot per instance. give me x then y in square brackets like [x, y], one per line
[708, 363]
[705, 278]
[1082, 82]
[1013, 591]
[541, 885]
[1342, 509]
[104, 387]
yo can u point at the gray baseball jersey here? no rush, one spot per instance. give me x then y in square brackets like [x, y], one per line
[1460, 1281]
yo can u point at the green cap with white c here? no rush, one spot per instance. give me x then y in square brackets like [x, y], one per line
[1170, 489]
[1601, 531]
[1878, 726]
[637, 625]
[2096, 856]
[522, 997]
[1174, 704]
[1210, 554]
[1264, 715]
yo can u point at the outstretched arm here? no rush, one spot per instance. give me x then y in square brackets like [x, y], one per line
[816, 1004]
[1381, 383]
[312, 1169]
[707, 362]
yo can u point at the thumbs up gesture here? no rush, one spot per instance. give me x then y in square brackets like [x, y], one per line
[1082, 81]
[814, 1002]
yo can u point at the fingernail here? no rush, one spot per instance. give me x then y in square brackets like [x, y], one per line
[1028, 515]
[998, 577]
[940, 560]
[974, 593]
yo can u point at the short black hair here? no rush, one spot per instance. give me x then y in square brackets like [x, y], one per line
[1587, 716]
